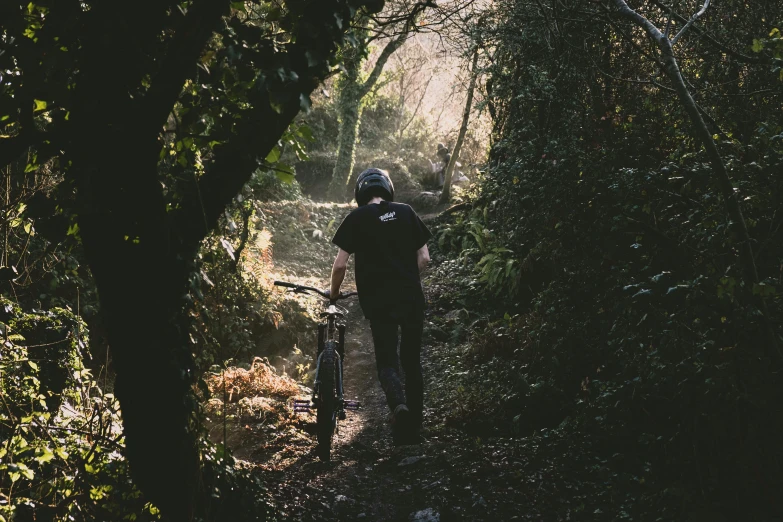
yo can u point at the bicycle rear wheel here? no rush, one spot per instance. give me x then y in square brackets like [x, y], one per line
[326, 417]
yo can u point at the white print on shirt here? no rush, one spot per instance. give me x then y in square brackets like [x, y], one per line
[389, 216]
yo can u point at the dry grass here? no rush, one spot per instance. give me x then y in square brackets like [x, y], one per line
[261, 380]
[257, 258]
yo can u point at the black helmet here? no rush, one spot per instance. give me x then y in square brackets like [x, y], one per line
[373, 182]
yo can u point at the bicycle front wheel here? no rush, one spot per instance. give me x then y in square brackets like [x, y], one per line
[326, 418]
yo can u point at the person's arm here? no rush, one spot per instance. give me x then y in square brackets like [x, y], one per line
[338, 272]
[422, 258]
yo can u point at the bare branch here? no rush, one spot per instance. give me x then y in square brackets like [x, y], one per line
[418, 106]
[391, 47]
[690, 22]
[641, 21]
[381, 63]
[702, 133]
[712, 40]
[635, 44]
[445, 194]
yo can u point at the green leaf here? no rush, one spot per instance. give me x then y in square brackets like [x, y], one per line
[763, 290]
[20, 470]
[305, 132]
[44, 455]
[758, 45]
[40, 105]
[486, 259]
[285, 177]
[274, 155]
[274, 14]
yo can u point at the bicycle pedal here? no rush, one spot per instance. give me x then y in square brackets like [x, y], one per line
[352, 405]
[301, 406]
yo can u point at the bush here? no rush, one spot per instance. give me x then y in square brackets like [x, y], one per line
[315, 174]
[268, 185]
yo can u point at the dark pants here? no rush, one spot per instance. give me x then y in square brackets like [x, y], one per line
[385, 336]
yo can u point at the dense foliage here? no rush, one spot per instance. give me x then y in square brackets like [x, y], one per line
[149, 118]
[589, 294]
[61, 458]
[623, 319]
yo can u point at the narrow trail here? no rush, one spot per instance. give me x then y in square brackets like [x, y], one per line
[451, 476]
[365, 478]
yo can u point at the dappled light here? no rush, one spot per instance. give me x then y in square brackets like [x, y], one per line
[572, 211]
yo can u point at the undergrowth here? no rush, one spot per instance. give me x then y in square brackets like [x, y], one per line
[609, 307]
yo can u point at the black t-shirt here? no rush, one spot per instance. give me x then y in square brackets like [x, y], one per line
[385, 238]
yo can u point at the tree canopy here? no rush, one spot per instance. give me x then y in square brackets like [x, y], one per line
[604, 324]
[155, 114]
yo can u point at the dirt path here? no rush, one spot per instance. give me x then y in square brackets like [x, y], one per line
[368, 478]
[365, 467]
[452, 476]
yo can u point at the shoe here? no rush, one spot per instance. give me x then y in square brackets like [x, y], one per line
[402, 425]
[401, 417]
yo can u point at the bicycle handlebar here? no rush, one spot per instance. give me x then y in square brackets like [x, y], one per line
[300, 288]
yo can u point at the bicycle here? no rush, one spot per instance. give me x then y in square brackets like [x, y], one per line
[327, 398]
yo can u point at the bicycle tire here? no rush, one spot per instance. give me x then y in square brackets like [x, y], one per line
[326, 417]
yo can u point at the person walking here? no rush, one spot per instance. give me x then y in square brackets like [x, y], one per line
[389, 241]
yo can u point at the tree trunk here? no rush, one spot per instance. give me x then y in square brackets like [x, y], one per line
[141, 286]
[349, 105]
[247, 213]
[352, 92]
[446, 194]
[134, 254]
[142, 254]
[141, 273]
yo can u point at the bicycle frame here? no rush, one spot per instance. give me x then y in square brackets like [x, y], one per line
[333, 339]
